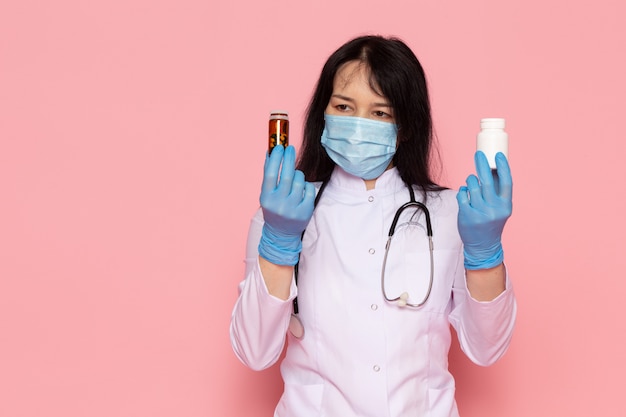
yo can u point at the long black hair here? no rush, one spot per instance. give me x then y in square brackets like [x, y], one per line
[396, 74]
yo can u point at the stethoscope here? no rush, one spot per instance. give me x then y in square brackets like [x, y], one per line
[402, 299]
[295, 325]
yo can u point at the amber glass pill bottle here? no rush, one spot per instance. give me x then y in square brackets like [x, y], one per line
[278, 129]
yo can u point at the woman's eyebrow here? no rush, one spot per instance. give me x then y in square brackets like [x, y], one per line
[346, 98]
[343, 97]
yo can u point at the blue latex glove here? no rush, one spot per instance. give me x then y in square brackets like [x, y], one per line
[484, 208]
[287, 203]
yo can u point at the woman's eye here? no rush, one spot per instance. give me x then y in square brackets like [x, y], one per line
[381, 114]
[341, 107]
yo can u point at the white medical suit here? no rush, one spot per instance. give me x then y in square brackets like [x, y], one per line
[361, 355]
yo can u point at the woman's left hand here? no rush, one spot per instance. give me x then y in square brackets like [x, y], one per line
[484, 207]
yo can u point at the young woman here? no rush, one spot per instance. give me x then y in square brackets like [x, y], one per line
[369, 332]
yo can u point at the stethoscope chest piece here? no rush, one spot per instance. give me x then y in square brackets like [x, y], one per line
[295, 327]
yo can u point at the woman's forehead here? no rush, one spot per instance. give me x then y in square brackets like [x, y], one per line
[355, 74]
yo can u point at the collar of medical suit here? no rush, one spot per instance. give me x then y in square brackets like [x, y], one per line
[346, 187]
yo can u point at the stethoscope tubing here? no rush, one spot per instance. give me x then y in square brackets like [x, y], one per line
[401, 300]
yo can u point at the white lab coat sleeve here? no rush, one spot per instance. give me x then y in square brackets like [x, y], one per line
[259, 321]
[484, 329]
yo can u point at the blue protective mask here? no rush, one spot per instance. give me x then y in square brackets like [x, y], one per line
[362, 147]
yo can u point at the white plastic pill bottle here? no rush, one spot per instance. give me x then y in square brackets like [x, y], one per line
[492, 139]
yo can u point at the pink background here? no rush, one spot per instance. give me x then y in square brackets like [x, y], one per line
[132, 135]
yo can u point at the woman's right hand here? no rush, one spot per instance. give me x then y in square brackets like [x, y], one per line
[287, 202]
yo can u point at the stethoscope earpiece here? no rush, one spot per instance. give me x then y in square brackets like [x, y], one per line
[295, 327]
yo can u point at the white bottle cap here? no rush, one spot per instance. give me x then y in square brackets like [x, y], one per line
[492, 123]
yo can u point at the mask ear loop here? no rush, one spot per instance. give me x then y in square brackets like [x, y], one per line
[295, 324]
